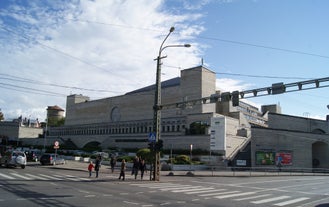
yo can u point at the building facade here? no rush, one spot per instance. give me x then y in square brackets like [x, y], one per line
[253, 137]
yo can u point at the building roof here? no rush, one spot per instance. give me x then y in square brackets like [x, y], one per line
[165, 84]
[55, 108]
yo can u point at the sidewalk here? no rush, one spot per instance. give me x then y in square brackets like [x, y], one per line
[82, 166]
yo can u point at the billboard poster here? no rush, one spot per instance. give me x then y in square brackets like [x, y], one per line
[284, 158]
[265, 158]
[218, 133]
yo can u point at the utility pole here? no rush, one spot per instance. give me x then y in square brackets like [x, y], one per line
[157, 106]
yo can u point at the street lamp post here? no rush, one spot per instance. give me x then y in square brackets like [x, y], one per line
[157, 105]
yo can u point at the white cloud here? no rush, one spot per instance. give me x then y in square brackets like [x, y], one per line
[108, 45]
[229, 85]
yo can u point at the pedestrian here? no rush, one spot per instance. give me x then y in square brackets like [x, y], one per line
[122, 170]
[113, 162]
[142, 167]
[135, 167]
[97, 164]
[90, 168]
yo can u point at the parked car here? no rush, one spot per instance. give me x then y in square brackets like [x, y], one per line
[14, 159]
[32, 155]
[52, 159]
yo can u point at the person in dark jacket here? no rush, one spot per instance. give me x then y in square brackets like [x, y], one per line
[135, 167]
[97, 164]
[142, 167]
[113, 162]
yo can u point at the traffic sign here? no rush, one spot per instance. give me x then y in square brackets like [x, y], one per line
[152, 137]
[56, 145]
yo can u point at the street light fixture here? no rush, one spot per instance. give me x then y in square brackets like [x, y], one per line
[157, 104]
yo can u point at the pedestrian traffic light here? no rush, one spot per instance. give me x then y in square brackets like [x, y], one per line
[235, 98]
[159, 145]
[151, 146]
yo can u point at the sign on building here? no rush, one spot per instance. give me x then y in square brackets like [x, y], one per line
[218, 133]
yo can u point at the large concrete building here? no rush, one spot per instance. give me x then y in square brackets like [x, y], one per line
[249, 136]
[126, 121]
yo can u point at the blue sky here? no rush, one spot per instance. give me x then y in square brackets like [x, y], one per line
[51, 49]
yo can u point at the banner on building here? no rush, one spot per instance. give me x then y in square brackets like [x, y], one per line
[265, 158]
[218, 133]
[284, 158]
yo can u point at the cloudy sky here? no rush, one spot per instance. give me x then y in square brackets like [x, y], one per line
[103, 48]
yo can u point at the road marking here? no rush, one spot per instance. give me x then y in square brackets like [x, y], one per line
[7, 176]
[21, 176]
[270, 199]
[205, 191]
[235, 195]
[171, 186]
[253, 197]
[50, 177]
[222, 193]
[292, 201]
[188, 190]
[128, 202]
[180, 188]
[37, 177]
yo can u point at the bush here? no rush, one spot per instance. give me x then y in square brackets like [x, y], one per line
[182, 160]
[127, 158]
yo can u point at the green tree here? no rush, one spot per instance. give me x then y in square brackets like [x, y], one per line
[145, 154]
[1, 116]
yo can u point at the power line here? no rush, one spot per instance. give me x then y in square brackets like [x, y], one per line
[265, 47]
[214, 39]
[262, 76]
[31, 90]
[51, 84]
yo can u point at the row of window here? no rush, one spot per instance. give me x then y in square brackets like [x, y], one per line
[113, 130]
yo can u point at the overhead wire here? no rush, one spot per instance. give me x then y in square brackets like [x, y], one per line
[52, 84]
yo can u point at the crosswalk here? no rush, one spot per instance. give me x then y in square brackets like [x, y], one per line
[42, 177]
[207, 192]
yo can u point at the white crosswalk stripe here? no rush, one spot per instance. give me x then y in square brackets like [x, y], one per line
[289, 202]
[36, 177]
[268, 200]
[21, 176]
[205, 191]
[191, 190]
[235, 195]
[254, 197]
[41, 177]
[7, 176]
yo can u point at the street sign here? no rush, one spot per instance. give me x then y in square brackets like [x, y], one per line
[152, 137]
[56, 145]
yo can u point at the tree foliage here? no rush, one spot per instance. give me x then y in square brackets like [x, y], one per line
[1, 116]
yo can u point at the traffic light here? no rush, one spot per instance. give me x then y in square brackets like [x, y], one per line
[278, 88]
[225, 97]
[235, 98]
[151, 146]
[158, 145]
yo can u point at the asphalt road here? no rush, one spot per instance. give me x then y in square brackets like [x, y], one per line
[64, 187]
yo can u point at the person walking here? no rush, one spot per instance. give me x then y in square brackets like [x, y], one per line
[113, 162]
[135, 167]
[90, 168]
[97, 164]
[122, 170]
[142, 167]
